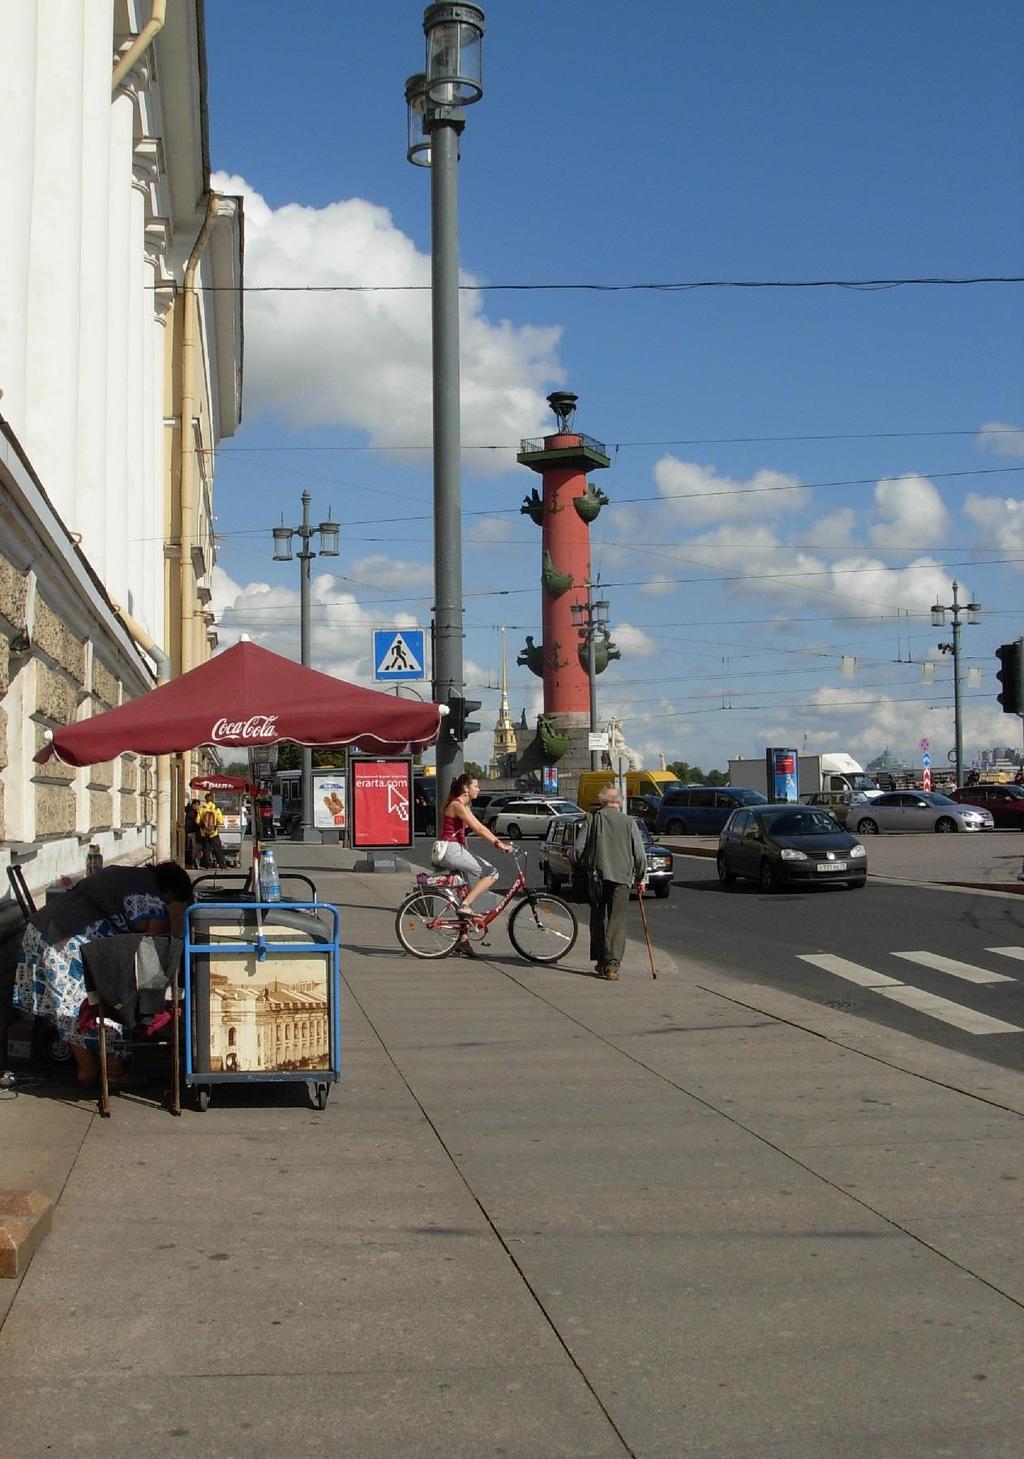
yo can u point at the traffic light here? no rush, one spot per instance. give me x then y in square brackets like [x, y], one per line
[1011, 676]
[460, 726]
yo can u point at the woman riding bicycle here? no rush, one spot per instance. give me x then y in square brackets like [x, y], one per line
[458, 820]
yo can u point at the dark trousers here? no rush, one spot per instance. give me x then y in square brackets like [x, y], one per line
[213, 852]
[608, 908]
[192, 848]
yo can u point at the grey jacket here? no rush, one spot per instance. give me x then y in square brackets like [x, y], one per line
[618, 848]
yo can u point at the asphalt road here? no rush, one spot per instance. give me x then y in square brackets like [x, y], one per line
[941, 964]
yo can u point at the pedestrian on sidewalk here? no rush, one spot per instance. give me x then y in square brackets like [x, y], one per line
[610, 851]
[211, 818]
[458, 820]
[192, 835]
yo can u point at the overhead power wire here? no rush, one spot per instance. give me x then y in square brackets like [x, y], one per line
[626, 445]
[687, 286]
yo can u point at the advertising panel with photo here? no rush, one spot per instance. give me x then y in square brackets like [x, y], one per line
[380, 801]
[329, 800]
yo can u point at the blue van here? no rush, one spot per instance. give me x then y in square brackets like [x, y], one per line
[702, 810]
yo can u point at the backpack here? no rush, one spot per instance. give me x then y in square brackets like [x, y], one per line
[208, 822]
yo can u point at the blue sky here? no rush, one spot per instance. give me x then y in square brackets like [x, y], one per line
[797, 473]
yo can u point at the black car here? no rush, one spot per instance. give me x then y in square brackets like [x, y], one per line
[558, 863]
[773, 844]
[645, 808]
[424, 806]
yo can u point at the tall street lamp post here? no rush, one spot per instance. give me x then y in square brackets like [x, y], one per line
[283, 553]
[939, 611]
[591, 619]
[435, 99]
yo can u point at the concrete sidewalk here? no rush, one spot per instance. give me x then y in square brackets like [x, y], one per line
[541, 1216]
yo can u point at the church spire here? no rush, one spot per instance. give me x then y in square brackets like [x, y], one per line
[504, 730]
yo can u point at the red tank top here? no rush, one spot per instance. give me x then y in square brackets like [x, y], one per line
[452, 829]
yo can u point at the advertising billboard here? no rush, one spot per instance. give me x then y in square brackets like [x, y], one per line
[783, 775]
[329, 800]
[380, 801]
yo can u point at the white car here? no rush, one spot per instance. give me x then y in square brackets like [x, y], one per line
[529, 816]
[916, 810]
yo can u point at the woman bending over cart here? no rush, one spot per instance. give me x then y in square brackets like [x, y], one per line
[50, 977]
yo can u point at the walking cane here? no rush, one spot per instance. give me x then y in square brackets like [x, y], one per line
[647, 933]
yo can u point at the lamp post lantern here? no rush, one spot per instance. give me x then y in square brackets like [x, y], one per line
[939, 611]
[591, 618]
[283, 553]
[435, 98]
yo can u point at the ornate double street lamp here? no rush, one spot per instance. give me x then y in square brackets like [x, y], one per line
[592, 621]
[435, 99]
[939, 611]
[283, 553]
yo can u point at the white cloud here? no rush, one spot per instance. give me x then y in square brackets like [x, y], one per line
[910, 513]
[379, 572]
[340, 627]
[1000, 439]
[1001, 519]
[633, 642]
[698, 494]
[834, 530]
[363, 359]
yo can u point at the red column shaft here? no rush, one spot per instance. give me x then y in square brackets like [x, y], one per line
[566, 538]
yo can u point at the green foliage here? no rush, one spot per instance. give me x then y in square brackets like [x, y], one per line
[694, 775]
[238, 767]
[472, 768]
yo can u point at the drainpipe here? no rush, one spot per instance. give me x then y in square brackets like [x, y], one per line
[141, 43]
[188, 473]
[189, 494]
[163, 762]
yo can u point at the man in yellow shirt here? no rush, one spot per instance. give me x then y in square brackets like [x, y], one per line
[211, 818]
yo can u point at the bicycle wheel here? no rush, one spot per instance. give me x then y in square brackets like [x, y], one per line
[427, 924]
[542, 928]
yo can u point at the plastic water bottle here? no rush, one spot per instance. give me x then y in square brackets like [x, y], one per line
[93, 860]
[270, 881]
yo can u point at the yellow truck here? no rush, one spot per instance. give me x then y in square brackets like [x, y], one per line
[638, 782]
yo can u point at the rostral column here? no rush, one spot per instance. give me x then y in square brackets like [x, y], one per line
[564, 509]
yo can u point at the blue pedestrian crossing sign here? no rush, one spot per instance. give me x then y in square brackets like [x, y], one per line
[398, 653]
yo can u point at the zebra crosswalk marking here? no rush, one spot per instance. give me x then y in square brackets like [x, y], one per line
[955, 1013]
[929, 1004]
[1017, 952]
[852, 972]
[967, 971]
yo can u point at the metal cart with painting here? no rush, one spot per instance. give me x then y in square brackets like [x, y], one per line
[262, 996]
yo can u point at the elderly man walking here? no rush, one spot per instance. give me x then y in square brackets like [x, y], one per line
[610, 851]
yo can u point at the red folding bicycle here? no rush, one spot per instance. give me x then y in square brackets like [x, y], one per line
[542, 928]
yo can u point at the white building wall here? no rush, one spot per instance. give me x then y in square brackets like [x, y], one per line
[54, 282]
[94, 307]
[17, 119]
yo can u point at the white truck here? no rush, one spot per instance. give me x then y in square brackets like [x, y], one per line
[835, 771]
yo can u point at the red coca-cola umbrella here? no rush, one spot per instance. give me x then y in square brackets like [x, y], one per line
[244, 698]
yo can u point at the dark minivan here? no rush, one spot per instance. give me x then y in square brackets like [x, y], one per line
[702, 810]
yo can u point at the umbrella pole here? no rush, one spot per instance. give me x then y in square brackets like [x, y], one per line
[254, 824]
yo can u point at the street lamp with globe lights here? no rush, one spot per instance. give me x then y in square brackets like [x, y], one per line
[434, 99]
[283, 553]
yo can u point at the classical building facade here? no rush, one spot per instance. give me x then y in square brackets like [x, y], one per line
[120, 370]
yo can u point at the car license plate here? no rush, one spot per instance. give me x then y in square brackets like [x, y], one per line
[831, 865]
